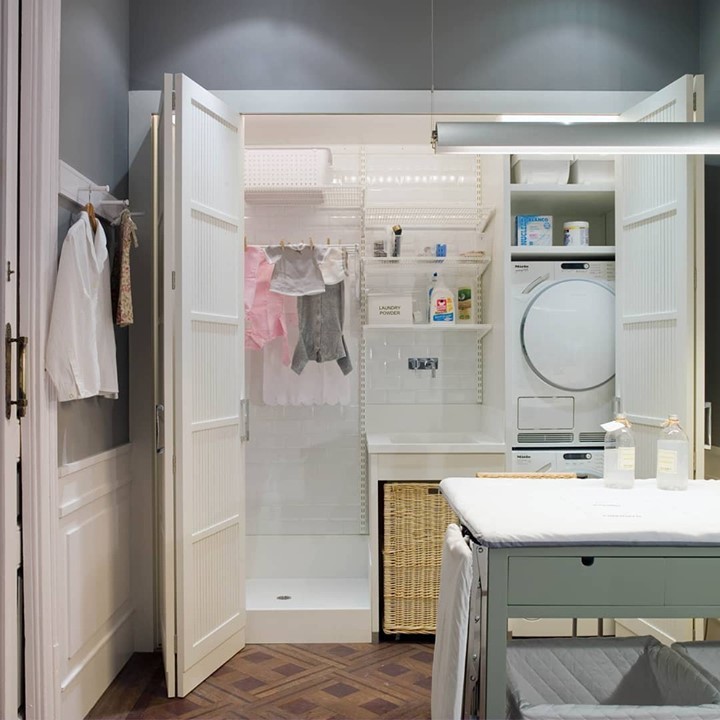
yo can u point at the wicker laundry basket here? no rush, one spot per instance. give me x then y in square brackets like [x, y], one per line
[416, 517]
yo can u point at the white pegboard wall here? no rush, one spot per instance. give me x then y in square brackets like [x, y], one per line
[288, 167]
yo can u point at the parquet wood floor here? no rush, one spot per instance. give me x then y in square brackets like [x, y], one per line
[284, 682]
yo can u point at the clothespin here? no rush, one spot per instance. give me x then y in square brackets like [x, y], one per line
[312, 244]
[245, 241]
[282, 243]
[327, 242]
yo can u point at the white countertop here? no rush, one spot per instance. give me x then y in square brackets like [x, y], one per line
[511, 512]
[428, 442]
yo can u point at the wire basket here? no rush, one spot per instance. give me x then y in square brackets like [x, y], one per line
[416, 517]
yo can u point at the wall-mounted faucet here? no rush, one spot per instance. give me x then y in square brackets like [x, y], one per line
[424, 364]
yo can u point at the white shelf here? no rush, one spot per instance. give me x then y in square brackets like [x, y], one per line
[428, 217]
[563, 200]
[578, 188]
[331, 197]
[412, 264]
[560, 251]
[438, 327]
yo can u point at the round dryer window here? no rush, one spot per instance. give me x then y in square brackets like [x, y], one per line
[568, 334]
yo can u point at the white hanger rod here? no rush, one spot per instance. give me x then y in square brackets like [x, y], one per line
[77, 188]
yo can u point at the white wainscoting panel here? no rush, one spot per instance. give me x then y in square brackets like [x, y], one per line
[93, 556]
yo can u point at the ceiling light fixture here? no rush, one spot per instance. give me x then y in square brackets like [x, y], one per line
[591, 138]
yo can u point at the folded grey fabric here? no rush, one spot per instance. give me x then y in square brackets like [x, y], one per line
[629, 678]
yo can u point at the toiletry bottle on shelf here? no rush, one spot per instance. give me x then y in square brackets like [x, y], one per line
[464, 305]
[397, 234]
[619, 455]
[433, 283]
[442, 305]
[673, 456]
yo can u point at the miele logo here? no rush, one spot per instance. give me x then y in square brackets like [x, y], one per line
[523, 457]
[522, 267]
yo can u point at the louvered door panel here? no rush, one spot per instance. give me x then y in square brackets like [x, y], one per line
[655, 241]
[209, 361]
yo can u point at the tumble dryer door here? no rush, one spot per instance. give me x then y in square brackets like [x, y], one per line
[568, 334]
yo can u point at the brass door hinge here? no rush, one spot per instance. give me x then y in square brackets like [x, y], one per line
[22, 401]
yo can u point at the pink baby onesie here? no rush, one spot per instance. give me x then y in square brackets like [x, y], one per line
[264, 315]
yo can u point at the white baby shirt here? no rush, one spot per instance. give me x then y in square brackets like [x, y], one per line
[333, 264]
[80, 356]
[297, 270]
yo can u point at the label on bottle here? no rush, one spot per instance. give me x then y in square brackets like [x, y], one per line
[443, 310]
[612, 426]
[667, 461]
[626, 458]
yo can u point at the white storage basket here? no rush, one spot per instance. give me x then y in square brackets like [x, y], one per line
[587, 169]
[288, 167]
[548, 169]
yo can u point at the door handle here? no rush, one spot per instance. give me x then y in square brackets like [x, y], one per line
[22, 401]
[708, 425]
[245, 412]
[159, 419]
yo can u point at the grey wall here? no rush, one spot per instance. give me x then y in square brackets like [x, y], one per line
[385, 44]
[710, 56]
[94, 82]
[564, 44]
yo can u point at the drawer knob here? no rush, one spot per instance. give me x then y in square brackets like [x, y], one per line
[587, 561]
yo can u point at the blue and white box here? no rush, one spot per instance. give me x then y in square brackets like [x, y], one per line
[533, 230]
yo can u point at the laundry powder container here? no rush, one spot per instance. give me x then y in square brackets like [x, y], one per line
[705, 656]
[611, 678]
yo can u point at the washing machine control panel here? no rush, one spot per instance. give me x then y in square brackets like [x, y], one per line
[581, 461]
[582, 268]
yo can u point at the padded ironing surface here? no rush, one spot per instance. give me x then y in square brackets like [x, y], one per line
[581, 678]
[513, 512]
[705, 656]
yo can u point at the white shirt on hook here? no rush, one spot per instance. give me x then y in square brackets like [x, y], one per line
[80, 355]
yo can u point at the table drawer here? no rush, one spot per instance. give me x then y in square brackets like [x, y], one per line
[589, 580]
[692, 581]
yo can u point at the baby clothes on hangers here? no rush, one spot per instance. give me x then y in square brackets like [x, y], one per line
[80, 356]
[321, 318]
[121, 287]
[319, 383]
[333, 264]
[264, 316]
[297, 270]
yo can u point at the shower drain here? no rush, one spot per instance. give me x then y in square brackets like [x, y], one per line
[284, 597]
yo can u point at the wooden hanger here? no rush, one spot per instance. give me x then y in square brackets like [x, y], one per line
[90, 210]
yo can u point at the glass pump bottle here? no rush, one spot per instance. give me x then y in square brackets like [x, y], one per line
[673, 456]
[619, 455]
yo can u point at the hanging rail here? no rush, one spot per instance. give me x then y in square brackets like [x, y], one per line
[77, 188]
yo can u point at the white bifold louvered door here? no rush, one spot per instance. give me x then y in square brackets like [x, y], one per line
[657, 363]
[208, 384]
[164, 197]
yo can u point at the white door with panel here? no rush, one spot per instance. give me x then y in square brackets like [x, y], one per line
[203, 224]
[659, 368]
[164, 201]
[660, 353]
[11, 663]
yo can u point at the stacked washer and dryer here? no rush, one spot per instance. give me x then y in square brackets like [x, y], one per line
[562, 382]
[562, 364]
